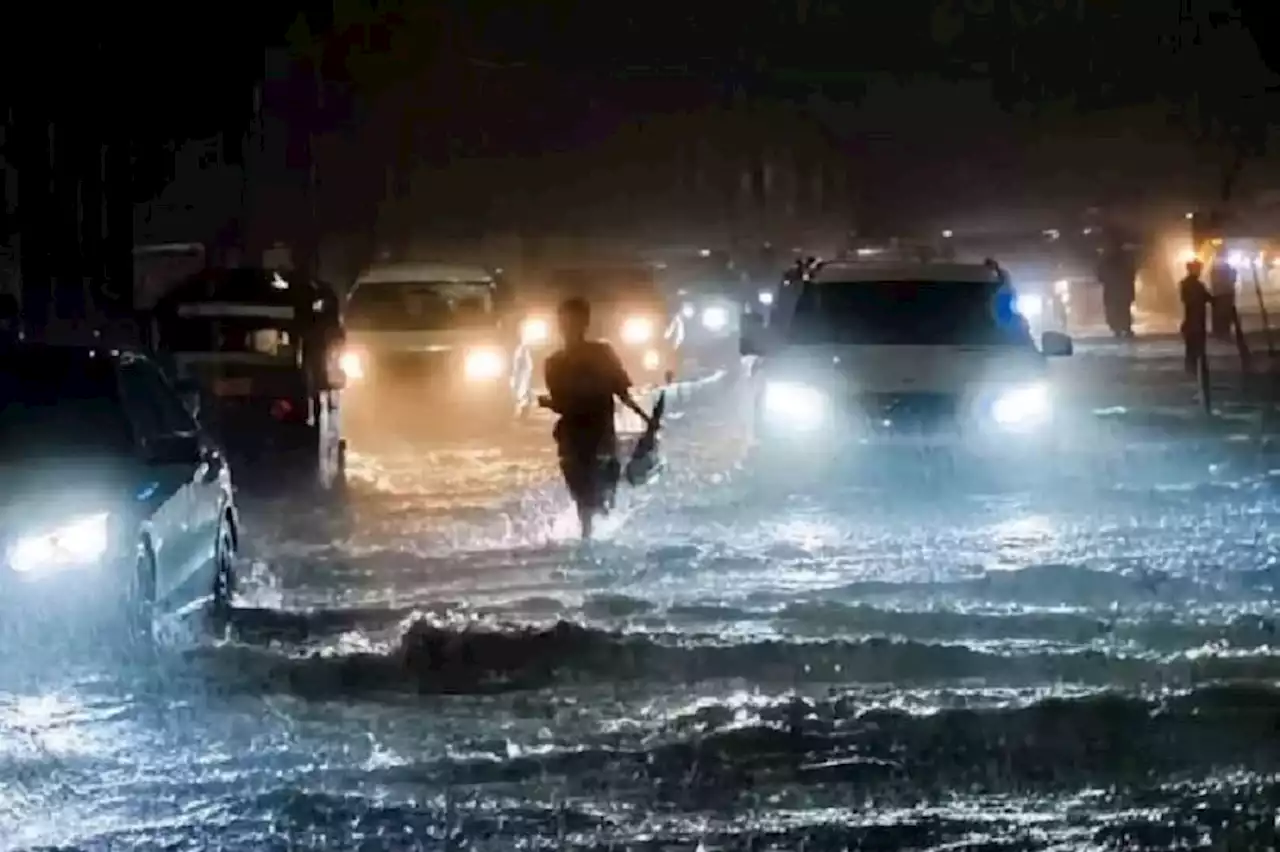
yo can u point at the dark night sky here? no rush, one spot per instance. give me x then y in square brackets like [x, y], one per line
[981, 105]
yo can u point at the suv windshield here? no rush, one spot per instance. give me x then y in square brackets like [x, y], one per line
[59, 404]
[919, 313]
[421, 306]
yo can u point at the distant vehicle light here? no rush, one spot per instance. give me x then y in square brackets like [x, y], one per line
[1062, 287]
[766, 297]
[637, 330]
[483, 364]
[715, 318]
[78, 543]
[687, 310]
[535, 331]
[652, 360]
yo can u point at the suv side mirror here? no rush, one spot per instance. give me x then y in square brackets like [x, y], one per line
[1055, 344]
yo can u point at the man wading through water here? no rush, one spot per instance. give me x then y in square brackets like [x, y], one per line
[583, 379]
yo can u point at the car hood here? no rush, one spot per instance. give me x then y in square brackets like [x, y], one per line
[911, 369]
[46, 494]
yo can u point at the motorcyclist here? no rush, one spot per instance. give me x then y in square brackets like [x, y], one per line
[1195, 307]
[1222, 287]
[583, 378]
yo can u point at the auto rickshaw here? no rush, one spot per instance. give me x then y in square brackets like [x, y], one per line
[260, 351]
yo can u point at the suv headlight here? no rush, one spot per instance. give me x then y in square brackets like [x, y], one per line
[1029, 305]
[484, 364]
[636, 330]
[798, 406]
[1022, 407]
[79, 542]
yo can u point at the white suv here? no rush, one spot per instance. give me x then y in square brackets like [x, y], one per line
[907, 353]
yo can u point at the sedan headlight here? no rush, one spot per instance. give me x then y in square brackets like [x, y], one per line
[637, 330]
[352, 365]
[81, 542]
[715, 318]
[1028, 305]
[484, 365]
[1022, 407]
[798, 406]
[535, 331]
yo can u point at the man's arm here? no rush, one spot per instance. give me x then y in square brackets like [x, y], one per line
[551, 377]
[621, 384]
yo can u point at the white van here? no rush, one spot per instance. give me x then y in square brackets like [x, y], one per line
[915, 353]
[426, 334]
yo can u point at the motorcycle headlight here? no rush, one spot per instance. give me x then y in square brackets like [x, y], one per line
[483, 364]
[1029, 305]
[535, 331]
[80, 542]
[351, 363]
[798, 406]
[766, 297]
[715, 318]
[1022, 407]
[636, 330]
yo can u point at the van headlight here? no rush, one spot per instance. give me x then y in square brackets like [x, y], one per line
[351, 363]
[1022, 407]
[637, 330]
[535, 331]
[80, 542]
[484, 365]
[797, 406]
[715, 318]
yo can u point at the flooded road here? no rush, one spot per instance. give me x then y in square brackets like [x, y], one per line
[1085, 661]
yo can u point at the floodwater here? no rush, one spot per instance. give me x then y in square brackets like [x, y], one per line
[1081, 660]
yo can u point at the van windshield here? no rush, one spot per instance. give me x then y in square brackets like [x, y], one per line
[907, 313]
[421, 306]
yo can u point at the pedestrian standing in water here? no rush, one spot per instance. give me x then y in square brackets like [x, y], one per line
[1222, 287]
[1195, 309]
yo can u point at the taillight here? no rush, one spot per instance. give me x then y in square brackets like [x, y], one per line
[281, 409]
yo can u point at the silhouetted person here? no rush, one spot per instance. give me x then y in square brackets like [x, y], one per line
[583, 380]
[1222, 287]
[1118, 275]
[1195, 308]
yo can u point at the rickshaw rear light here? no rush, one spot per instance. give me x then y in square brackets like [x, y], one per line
[281, 409]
